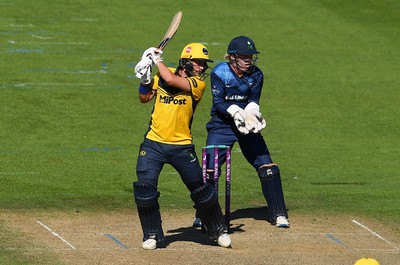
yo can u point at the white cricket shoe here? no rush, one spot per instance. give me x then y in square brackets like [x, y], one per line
[224, 240]
[150, 243]
[282, 221]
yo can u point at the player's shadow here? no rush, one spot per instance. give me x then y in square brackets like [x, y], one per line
[190, 234]
[196, 235]
[257, 213]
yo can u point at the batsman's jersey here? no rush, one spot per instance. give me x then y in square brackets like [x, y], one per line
[173, 111]
[227, 88]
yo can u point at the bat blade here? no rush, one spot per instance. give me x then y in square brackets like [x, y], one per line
[173, 27]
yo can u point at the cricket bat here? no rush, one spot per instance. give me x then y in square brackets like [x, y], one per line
[173, 28]
[141, 69]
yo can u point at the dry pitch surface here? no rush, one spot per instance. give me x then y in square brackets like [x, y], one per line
[115, 238]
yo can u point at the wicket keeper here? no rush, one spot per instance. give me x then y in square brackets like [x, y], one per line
[236, 86]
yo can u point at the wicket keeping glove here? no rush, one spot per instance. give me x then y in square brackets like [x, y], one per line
[253, 118]
[238, 115]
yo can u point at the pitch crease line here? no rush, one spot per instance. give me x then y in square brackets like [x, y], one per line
[374, 233]
[337, 241]
[116, 240]
[56, 235]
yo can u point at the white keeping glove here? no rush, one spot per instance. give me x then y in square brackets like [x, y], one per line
[142, 67]
[262, 123]
[253, 118]
[238, 115]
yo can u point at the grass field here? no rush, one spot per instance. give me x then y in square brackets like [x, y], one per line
[71, 123]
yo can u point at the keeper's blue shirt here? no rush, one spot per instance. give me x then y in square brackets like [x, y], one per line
[228, 88]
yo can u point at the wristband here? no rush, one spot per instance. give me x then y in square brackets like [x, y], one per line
[144, 89]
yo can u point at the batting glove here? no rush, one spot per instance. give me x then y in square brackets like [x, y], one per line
[142, 67]
[147, 53]
[146, 78]
[253, 118]
[156, 56]
[238, 115]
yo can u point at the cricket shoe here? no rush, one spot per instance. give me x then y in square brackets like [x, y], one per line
[224, 240]
[150, 243]
[282, 221]
[197, 222]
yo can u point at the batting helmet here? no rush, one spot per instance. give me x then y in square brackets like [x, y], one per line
[242, 45]
[366, 261]
[195, 51]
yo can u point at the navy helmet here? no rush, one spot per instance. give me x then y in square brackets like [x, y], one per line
[242, 45]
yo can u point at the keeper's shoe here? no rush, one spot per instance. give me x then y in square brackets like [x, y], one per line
[197, 222]
[224, 240]
[282, 221]
[149, 244]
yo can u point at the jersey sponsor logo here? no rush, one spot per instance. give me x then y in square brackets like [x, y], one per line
[172, 100]
[236, 98]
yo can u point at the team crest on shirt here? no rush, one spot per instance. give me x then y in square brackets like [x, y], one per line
[142, 153]
[192, 157]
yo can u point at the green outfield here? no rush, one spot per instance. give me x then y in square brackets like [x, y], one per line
[71, 122]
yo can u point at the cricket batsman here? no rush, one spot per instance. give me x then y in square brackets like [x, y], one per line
[175, 93]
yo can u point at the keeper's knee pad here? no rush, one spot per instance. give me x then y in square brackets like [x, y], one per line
[146, 198]
[209, 210]
[271, 185]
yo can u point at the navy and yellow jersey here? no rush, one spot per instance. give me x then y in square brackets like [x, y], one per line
[227, 88]
[173, 111]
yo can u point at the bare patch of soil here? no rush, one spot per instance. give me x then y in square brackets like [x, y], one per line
[115, 238]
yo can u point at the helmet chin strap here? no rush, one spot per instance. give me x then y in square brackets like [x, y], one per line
[189, 69]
